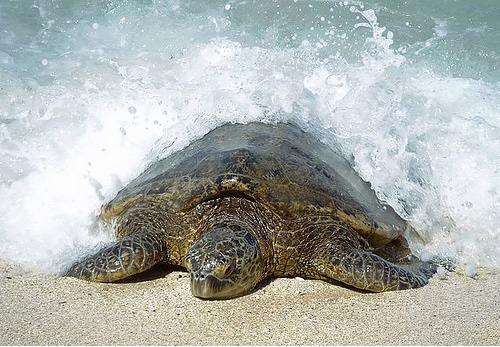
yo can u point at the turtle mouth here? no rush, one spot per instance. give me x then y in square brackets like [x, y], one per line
[211, 287]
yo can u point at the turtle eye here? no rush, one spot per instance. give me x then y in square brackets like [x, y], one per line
[224, 269]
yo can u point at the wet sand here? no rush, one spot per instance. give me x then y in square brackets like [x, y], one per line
[39, 309]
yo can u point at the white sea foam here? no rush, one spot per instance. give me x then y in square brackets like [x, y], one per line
[112, 93]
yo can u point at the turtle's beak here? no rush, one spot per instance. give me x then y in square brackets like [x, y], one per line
[211, 287]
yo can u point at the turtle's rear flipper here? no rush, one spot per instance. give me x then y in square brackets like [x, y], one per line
[130, 255]
[368, 271]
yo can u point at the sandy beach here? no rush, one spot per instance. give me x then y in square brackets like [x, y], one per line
[158, 309]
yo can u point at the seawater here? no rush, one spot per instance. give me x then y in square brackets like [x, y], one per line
[91, 92]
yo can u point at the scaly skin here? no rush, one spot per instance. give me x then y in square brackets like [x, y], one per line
[333, 250]
[368, 271]
[126, 257]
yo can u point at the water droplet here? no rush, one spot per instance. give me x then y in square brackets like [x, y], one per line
[470, 270]
[442, 272]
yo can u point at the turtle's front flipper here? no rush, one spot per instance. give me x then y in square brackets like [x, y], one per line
[365, 270]
[346, 257]
[130, 255]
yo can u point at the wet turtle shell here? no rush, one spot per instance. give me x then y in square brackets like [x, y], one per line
[279, 166]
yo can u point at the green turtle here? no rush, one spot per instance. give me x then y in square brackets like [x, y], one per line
[252, 201]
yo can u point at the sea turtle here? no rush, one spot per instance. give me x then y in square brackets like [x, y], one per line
[252, 201]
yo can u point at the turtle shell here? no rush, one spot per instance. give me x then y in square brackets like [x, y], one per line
[278, 165]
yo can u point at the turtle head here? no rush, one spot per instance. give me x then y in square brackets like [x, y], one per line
[225, 262]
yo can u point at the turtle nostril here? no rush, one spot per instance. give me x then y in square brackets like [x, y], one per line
[198, 276]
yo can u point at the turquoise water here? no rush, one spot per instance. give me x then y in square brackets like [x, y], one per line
[93, 91]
